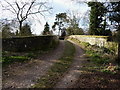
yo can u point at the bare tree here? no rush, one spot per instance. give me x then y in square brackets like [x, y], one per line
[22, 10]
[74, 17]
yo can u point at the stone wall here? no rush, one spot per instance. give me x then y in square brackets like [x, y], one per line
[101, 41]
[22, 44]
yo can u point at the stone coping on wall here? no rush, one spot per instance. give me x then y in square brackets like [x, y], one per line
[93, 40]
[101, 41]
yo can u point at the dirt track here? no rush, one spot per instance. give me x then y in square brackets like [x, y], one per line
[25, 75]
[72, 75]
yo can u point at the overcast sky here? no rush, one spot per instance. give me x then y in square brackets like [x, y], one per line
[59, 6]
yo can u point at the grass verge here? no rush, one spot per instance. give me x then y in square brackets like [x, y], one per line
[9, 57]
[98, 69]
[57, 70]
[99, 58]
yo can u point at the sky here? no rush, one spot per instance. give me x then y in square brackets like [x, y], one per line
[59, 6]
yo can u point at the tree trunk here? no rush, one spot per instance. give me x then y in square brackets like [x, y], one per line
[118, 39]
[20, 27]
[118, 59]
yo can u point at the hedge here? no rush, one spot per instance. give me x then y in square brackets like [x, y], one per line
[22, 44]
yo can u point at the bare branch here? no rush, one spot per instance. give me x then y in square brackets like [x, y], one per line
[24, 6]
[38, 19]
[18, 11]
[1, 4]
[29, 8]
[9, 10]
[39, 11]
[23, 10]
[11, 6]
[17, 5]
[41, 4]
[42, 15]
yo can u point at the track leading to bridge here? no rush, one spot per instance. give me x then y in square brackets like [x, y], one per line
[73, 73]
[25, 75]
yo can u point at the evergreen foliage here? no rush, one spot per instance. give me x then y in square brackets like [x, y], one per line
[26, 30]
[60, 21]
[46, 29]
[98, 11]
[75, 31]
[73, 28]
[6, 31]
[114, 10]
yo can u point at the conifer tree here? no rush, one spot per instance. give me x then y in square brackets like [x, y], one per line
[46, 29]
[26, 30]
[114, 10]
[97, 12]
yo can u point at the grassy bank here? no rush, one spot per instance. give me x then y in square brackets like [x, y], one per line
[58, 69]
[98, 58]
[99, 69]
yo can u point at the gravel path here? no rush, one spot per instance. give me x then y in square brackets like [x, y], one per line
[25, 75]
[73, 73]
